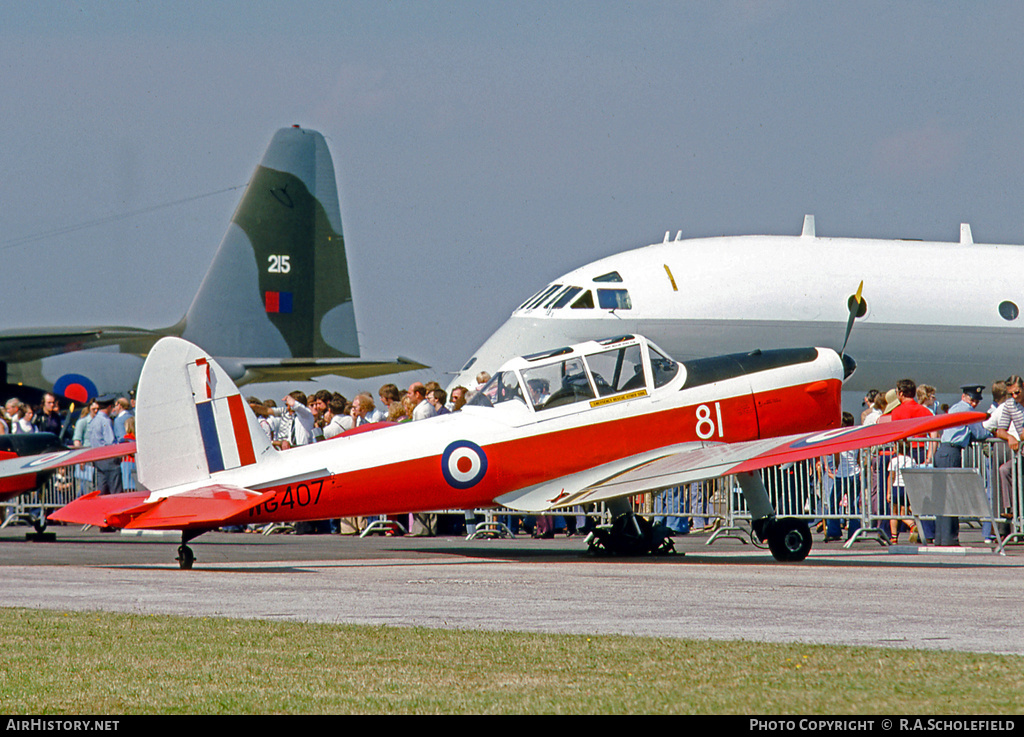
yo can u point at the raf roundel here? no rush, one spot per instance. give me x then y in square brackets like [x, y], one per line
[463, 464]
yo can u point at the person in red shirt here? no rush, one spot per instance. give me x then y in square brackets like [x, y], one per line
[906, 390]
[921, 452]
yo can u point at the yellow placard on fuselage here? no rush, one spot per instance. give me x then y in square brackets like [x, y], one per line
[619, 398]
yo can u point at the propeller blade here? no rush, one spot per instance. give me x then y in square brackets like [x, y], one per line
[854, 309]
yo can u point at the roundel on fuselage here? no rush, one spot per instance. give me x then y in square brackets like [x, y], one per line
[463, 464]
[75, 387]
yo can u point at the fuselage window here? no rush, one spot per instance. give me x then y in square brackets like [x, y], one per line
[617, 371]
[586, 302]
[614, 299]
[1008, 310]
[558, 384]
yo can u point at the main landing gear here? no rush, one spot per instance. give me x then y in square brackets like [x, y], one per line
[630, 535]
[789, 539]
[40, 535]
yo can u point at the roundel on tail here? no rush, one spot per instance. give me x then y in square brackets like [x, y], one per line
[463, 464]
[75, 387]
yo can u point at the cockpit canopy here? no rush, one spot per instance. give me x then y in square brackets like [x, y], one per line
[557, 296]
[620, 367]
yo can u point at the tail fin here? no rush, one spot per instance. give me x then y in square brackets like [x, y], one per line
[279, 283]
[192, 420]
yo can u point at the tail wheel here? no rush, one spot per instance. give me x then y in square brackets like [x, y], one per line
[186, 558]
[789, 540]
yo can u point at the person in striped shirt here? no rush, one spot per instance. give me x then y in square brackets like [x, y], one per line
[1012, 417]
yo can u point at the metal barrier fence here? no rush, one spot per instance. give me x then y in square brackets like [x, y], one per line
[855, 490]
[860, 492]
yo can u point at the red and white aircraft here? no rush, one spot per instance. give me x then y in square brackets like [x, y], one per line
[598, 421]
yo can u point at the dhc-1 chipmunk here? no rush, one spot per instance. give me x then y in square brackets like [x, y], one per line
[595, 422]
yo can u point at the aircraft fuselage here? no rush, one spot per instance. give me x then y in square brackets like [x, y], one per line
[940, 313]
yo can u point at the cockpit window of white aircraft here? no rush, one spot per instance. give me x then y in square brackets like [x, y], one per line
[610, 276]
[503, 387]
[567, 295]
[558, 384]
[663, 368]
[543, 295]
[557, 297]
[618, 370]
[530, 299]
[586, 302]
[614, 299]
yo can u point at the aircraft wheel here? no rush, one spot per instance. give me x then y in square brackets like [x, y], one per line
[625, 538]
[789, 540]
[40, 522]
[186, 558]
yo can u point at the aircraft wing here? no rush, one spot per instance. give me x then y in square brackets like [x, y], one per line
[248, 370]
[683, 464]
[21, 474]
[22, 465]
[203, 508]
[39, 343]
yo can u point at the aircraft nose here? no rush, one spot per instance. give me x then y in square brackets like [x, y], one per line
[849, 366]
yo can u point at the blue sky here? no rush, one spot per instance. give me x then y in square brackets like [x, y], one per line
[482, 149]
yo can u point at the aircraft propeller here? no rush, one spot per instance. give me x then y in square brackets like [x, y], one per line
[857, 309]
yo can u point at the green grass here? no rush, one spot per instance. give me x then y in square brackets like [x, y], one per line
[103, 663]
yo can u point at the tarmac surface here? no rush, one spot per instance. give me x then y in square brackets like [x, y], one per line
[966, 599]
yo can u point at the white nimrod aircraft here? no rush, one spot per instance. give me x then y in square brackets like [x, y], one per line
[706, 296]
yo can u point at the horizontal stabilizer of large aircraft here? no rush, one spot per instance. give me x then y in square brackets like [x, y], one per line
[258, 370]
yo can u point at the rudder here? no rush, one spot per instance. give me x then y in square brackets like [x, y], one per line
[192, 421]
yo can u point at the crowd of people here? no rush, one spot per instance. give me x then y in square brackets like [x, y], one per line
[70, 426]
[302, 419]
[1005, 423]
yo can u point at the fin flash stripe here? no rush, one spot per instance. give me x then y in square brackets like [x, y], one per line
[279, 302]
